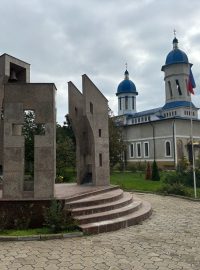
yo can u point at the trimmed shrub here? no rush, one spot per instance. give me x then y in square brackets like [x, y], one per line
[172, 177]
[155, 172]
[176, 188]
[56, 219]
[187, 178]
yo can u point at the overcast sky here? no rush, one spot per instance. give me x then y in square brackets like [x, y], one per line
[63, 39]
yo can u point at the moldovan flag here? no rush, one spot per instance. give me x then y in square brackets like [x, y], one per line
[191, 83]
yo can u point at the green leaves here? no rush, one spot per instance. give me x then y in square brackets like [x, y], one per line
[117, 146]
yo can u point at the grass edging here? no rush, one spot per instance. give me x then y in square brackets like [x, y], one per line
[40, 237]
[162, 194]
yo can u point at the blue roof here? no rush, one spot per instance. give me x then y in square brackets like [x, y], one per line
[176, 104]
[147, 112]
[176, 56]
[126, 86]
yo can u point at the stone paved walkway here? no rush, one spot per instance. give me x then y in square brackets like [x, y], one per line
[170, 239]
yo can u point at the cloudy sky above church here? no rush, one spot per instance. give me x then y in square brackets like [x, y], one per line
[63, 39]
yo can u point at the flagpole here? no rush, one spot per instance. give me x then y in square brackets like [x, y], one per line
[193, 154]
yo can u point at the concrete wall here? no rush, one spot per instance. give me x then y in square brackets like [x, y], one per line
[77, 119]
[9, 62]
[2, 64]
[123, 107]
[98, 120]
[22, 69]
[156, 134]
[175, 72]
[176, 131]
[18, 98]
[88, 112]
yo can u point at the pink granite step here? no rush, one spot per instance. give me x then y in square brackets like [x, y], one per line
[106, 197]
[125, 200]
[118, 223]
[108, 210]
[86, 191]
[108, 215]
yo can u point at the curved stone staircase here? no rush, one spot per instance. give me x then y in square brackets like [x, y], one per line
[107, 210]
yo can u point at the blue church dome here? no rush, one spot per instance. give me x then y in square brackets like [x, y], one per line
[126, 86]
[176, 56]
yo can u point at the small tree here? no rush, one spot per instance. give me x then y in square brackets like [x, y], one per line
[183, 165]
[148, 171]
[155, 172]
[117, 146]
[65, 149]
[30, 128]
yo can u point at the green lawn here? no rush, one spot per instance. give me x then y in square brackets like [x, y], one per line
[137, 181]
[134, 181]
[37, 231]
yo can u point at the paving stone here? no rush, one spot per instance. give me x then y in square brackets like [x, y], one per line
[76, 266]
[51, 267]
[169, 240]
[26, 267]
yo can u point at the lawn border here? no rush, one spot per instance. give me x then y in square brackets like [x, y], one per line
[161, 194]
[40, 237]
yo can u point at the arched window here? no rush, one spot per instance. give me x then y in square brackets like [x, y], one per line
[186, 82]
[120, 103]
[178, 88]
[170, 89]
[131, 150]
[168, 149]
[133, 103]
[126, 103]
[146, 149]
[138, 150]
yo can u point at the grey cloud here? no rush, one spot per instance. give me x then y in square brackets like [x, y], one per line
[65, 39]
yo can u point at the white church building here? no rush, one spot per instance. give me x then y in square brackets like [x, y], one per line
[163, 133]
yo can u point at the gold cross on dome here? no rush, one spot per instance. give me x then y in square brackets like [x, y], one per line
[126, 65]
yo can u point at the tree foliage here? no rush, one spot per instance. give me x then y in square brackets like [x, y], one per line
[117, 146]
[155, 172]
[65, 148]
[29, 130]
[57, 218]
[65, 143]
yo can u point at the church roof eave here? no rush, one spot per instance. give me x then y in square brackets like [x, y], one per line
[178, 104]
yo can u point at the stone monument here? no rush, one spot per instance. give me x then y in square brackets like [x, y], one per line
[17, 95]
[88, 114]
